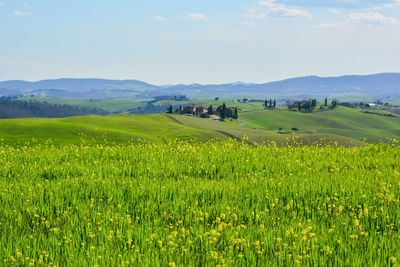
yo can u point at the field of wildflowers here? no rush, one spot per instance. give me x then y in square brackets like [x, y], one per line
[191, 204]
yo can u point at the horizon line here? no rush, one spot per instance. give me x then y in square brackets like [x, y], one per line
[195, 83]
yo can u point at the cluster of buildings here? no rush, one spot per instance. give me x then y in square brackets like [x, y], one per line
[194, 110]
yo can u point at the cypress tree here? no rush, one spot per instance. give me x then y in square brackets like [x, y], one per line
[235, 114]
[170, 109]
[210, 110]
[223, 112]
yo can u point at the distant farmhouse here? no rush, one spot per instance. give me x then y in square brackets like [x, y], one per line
[194, 110]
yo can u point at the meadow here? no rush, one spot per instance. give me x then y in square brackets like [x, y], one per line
[342, 121]
[190, 204]
[157, 128]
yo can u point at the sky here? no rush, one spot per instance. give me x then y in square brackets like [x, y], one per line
[197, 41]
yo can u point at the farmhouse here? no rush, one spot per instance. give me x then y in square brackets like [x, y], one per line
[194, 110]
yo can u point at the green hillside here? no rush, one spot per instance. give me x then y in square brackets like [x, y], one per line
[343, 121]
[345, 126]
[119, 129]
[238, 130]
[136, 128]
[111, 105]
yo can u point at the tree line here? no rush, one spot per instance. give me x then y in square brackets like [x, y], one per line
[269, 104]
[311, 104]
[11, 108]
[223, 111]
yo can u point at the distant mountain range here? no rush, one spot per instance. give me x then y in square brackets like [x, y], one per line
[376, 85]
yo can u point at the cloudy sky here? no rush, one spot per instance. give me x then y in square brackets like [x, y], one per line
[197, 41]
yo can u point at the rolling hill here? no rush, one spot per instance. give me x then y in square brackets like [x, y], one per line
[138, 128]
[78, 85]
[343, 121]
[376, 86]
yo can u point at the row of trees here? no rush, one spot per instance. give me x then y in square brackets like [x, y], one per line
[310, 104]
[225, 112]
[10, 108]
[334, 103]
[268, 104]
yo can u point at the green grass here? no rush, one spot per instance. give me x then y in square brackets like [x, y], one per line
[381, 112]
[137, 128]
[343, 121]
[111, 105]
[237, 130]
[244, 107]
[199, 204]
[111, 129]
[393, 101]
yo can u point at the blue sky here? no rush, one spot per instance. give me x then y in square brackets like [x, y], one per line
[197, 41]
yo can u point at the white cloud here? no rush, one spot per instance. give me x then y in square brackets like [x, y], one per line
[26, 4]
[196, 16]
[249, 23]
[352, 4]
[257, 16]
[372, 17]
[290, 12]
[1, 4]
[358, 18]
[160, 18]
[334, 11]
[390, 5]
[281, 10]
[331, 25]
[268, 3]
[20, 13]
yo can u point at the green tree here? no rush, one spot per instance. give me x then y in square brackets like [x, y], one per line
[229, 113]
[326, 102]
[170, 111]
[235, 114]
[313, 103]
[210, 110]
[223, 112]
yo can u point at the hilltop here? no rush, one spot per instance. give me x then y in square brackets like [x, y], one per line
[119, 129]
[377, 86]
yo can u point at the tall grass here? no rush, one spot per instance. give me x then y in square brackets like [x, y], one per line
[199, 204]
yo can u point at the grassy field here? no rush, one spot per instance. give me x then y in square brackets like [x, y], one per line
[97, 129]
[343, 121]
[235, 129]
[393, 101]
[243, 107]
[123, 105]
[137, 128]
[111, 105]
[199, 204]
